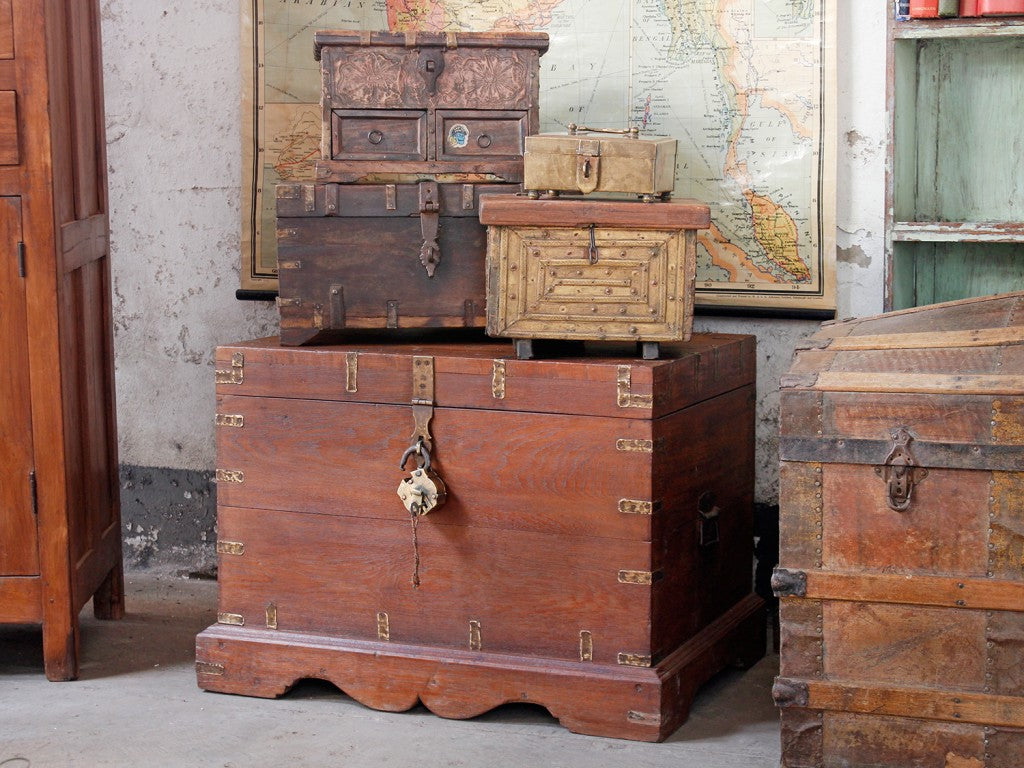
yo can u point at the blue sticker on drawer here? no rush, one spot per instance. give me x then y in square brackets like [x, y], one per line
[458, 135]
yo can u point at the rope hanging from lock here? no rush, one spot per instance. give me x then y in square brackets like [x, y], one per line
[421, 493]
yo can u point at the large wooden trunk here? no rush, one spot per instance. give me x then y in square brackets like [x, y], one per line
[354, 256]
[593, 555]
[902, 541]
[399, 106]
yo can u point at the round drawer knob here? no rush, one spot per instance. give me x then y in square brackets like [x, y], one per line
[483, 141]
[375, 137]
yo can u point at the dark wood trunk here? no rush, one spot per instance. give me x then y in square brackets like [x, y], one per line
[902, 540]
[350, 257]
[585, 548]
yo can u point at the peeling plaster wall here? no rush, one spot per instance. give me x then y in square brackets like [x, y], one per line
[172, 97]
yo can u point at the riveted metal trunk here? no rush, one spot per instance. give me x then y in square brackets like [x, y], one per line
[902, 543]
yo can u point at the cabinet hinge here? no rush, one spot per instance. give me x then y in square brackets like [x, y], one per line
[21, 259]
[33, 490]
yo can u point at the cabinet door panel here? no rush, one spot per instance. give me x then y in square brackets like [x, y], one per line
[17, 522]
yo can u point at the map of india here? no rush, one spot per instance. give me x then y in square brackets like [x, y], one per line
[743, 85]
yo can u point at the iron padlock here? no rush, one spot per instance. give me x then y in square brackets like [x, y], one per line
[424, 490]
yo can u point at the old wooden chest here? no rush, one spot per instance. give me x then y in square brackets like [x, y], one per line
[902, 541]
[593, 555]
[456, 106]
[356, 256]
[584, 163]
[591, 269]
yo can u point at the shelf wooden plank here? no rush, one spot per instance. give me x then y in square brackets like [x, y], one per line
[952, 231]
[960, 27]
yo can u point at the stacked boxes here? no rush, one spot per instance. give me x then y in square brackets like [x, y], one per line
[576, 533]
[415, 129]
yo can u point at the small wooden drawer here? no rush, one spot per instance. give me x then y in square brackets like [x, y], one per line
[484, 134]
[383, 135]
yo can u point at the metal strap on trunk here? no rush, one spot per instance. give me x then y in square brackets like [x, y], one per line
[430, 210]
[422, 399]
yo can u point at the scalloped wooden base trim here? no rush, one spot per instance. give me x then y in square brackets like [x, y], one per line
[643, 704]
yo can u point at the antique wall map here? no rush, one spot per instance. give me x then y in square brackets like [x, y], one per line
[747, 86]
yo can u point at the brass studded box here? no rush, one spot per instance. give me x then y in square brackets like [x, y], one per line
[446, 107]
[593, 554]
[587, 161]
[901, 581]
[591, 269]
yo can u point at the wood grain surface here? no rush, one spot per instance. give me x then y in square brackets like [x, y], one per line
[595, 699]
[577, 537]
[60, 186]
[914, 618]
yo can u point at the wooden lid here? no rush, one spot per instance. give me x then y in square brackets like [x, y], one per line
[973, 346]
[486, 375]
[521, 211]
[536, 40]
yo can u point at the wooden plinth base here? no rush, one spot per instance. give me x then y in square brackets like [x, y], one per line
[640, 703]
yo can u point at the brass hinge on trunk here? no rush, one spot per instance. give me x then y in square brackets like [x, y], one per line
[586, 646]
[635, 660]
[639, 577]
[624, 391]
[351, 372]
[422, 399]
[498, 380]
[209, 668]
[236, 374]
[236, 420]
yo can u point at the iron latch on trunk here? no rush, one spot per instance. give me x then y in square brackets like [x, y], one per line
[900, 471]
[430, 211]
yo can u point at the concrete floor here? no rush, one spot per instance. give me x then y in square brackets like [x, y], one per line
[137, 704]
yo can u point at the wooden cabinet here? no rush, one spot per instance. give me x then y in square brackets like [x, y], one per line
[60, 538]
[459, 104]
[955, 205]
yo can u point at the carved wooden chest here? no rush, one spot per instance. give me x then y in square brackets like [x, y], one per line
[582, 162]
[902, 541]
[455, 106]
[356, 256]
[591, 269]
[593, 555]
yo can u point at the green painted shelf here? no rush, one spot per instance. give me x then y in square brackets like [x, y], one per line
[954, 185]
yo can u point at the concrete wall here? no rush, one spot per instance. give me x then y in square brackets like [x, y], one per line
[172, 99]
